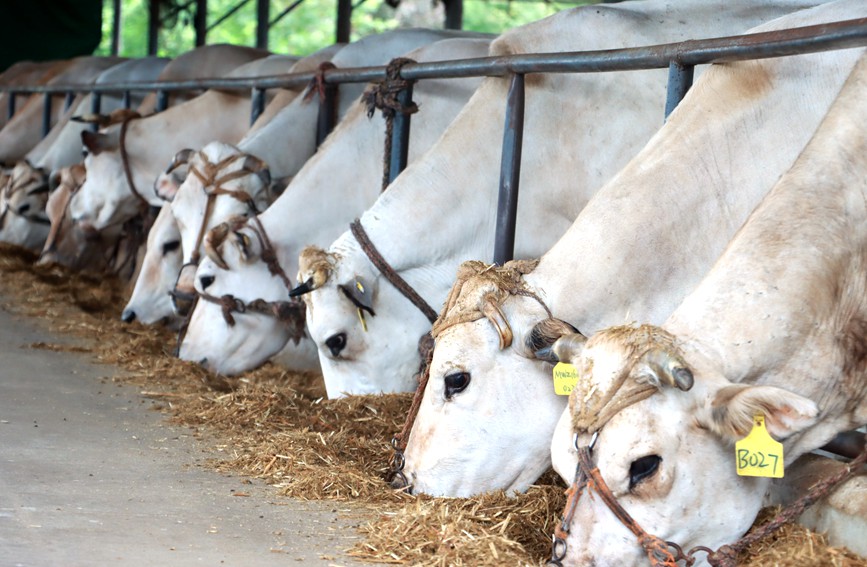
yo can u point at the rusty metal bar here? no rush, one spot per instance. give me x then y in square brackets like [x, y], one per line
[228, 14]
[679, 81]
[95, 108]
[795, 41]
[327, 113]
[400, 136]
[162, 100]
[262, 9]
[454, 14]
[153, 26]
[115, 27]
[126, 101]
[257, 104]
[510, 172]
[201, 22]
[46, 114]
[343, 29]
[68, 99]
[10, 105]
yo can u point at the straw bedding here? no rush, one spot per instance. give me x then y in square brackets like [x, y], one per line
[278, 426]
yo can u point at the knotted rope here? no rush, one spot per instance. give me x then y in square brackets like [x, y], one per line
[317, 84]
[384, 96]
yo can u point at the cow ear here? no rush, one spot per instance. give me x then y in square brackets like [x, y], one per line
[731, 409]
[96, 143]
[540, 341]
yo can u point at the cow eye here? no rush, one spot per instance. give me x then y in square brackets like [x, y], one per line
[643, 468]
[456, 383]
[206, 281]
[171, 246]
[336, 343]
[23, 208]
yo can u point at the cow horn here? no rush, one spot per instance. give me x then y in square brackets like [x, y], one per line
[669, 368]
[100, 119]
[259, 167]
[495, 315]
[301, 289]
[181, 158]
[215, 237]
[121, 115]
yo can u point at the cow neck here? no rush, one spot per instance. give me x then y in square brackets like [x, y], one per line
[388, 272]
[124, 159]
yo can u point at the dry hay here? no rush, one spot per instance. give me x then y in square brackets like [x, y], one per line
[277, 426]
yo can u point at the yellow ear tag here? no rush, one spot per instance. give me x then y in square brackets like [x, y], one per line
[565, 378]
[758, 454]
[361, 318]
[359, 287]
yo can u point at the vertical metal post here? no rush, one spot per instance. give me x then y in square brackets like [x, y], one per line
[162, 101]
[68, 100]
[400, 136]
[257, 104]
[46, 114]
[201, 22]
[327, 113]
[95, 108]
[344, 21]
[454, 14]
[115, 27]
[510, 172]
[126, 101]
[262, 19]
[10, 108]
[679, 80]
[153, 26]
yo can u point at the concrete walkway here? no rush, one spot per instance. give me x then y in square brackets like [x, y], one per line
[89, 476]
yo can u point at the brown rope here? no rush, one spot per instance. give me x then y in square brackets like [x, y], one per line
[386, 270]
[290, 312]
[317, 83]
[124, 158]
[384, 96]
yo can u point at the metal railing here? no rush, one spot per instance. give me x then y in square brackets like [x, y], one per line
[680, 58]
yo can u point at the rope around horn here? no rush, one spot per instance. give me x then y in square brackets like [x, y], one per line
[383, 96]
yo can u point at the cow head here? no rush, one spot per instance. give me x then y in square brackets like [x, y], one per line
[666, 425]
[233, 266]
[489, 409]
[105, 198]
[150, 301]
[25, 194]
[366, 331]
[222, 182]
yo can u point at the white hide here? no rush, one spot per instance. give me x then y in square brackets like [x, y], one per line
[777, 328]
[150, 301]
[106, 199]
[333, 187]
[579, 130]
[635, 251]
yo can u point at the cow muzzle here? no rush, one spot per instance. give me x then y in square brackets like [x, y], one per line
[184, 294]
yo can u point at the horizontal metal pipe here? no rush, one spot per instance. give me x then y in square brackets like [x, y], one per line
[808, 39]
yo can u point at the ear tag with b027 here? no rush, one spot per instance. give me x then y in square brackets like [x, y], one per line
[565, 378]
[758, 454]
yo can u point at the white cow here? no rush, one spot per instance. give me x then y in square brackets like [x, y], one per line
[24, 131]
[442, 209]
[334, 186]
[106, 198]
[777, 329]
[638, 247]
[150, 301]
[28, 191]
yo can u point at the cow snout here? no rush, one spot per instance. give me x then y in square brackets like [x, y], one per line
[183, 299]
[128, 316]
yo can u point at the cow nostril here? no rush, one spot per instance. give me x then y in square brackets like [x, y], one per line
[128, 316]
[203, 362]
[400, 482]
[23, 208]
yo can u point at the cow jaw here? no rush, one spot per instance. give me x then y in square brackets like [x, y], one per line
[495, 434]
[105, 198]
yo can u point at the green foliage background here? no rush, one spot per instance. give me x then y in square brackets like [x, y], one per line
[309, 27]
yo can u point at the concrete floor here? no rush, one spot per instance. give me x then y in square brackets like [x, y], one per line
[89, 476]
